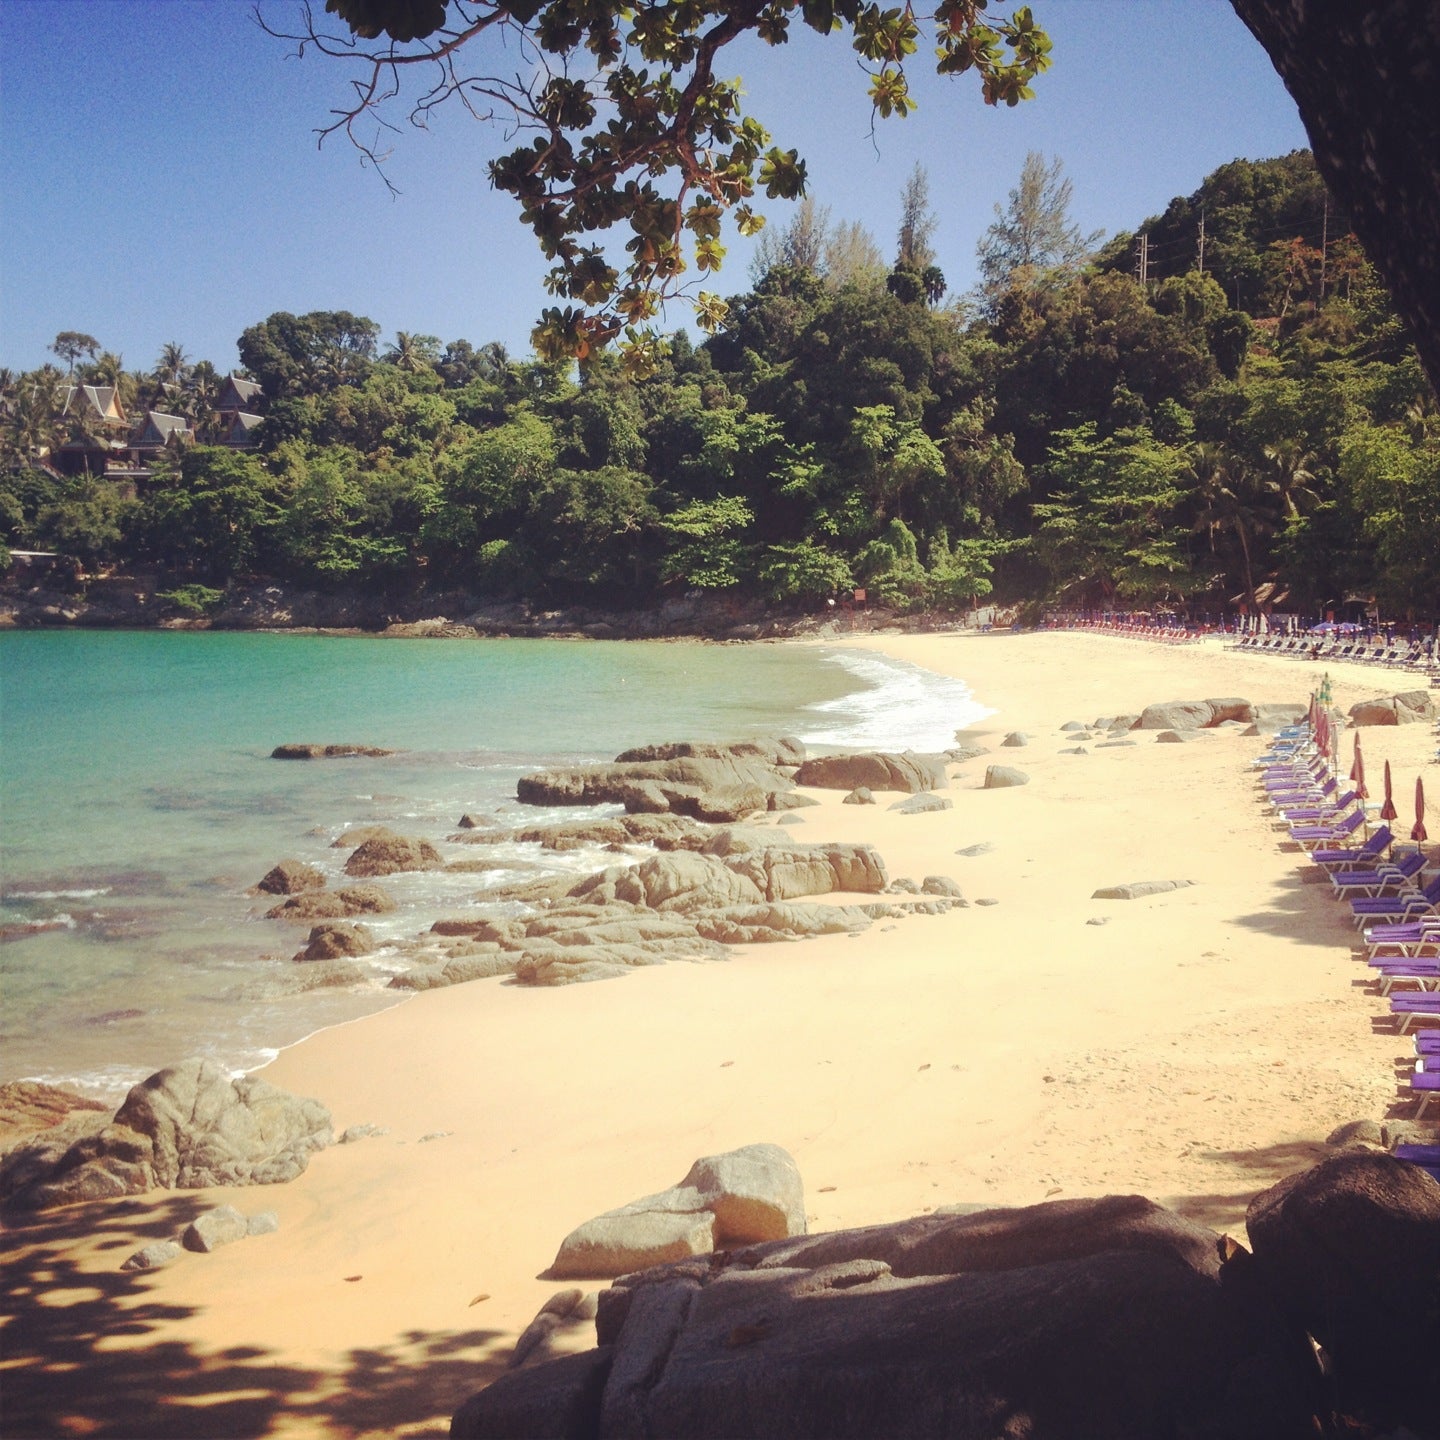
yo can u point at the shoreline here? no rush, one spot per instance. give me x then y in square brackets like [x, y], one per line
[1195, 1047]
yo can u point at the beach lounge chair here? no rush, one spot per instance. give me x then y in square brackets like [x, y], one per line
[1427, 1042]
[1353, 857]
[1381, 879]
[1313, 837]
[1409, 906]
[1425, 1082]
[1423, 974]
[1416, 1007]
[1322, 812]
[1427, 1157]
[1395, 941]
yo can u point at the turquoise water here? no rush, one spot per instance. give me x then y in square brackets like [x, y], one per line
[139, 803]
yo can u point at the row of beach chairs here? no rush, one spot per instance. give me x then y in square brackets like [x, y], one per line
[1391, 893]
[1414, 657]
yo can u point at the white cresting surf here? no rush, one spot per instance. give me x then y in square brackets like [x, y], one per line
[140, 804]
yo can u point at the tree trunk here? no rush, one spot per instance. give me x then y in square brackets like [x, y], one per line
[1365, 75]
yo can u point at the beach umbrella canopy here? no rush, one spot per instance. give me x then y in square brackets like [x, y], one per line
[1418, 834]
[1357, 771]
[1388, 810]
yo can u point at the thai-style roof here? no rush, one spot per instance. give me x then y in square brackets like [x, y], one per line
[240, 433]
[238, 394]
[93, 402]
[159, 429]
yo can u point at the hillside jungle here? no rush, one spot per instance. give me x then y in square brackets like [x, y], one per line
[1248, 426]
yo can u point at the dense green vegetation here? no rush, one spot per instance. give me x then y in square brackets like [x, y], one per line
[1072, 434]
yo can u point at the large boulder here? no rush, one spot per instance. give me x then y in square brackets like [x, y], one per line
[768, 750]
[388, 854]
[875, 770]
[1354, 1246]
[290, 877]
[682, 784]
[1004, 777]
[1408, 708]
[1175, 715]
[743, 1196]
[1092, 1318]
[186, 1127]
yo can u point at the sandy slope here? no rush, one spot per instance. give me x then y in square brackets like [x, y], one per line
[1194, 1047]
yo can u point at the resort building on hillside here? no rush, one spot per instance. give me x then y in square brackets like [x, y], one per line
[101, 440]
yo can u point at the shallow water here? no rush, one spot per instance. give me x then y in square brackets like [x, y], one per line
[139, 803]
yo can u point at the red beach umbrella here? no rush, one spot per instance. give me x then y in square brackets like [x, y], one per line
[1418, 834]
[1357, 772]
[1388, 810]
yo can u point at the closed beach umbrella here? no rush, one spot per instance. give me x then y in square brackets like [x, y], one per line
[1357, 772]
[1388, 810]
[1418, 834]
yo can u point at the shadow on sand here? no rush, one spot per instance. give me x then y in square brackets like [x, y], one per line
[75, 1358]
[1269, 1164]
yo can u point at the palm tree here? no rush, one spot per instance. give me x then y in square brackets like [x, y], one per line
[1228, 495]
[173, 365]
[413, 353]
[1290, 477]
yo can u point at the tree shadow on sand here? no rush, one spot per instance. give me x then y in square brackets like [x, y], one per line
[1268, 1164]
[75, 1359]
[1302, 909]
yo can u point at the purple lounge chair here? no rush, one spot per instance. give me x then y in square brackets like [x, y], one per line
[1425, 974]
[1382, 878]
[1415, 1006]
[1427, 1157]
[1355, 856]
[1410, 906]
[1426, 1084]
[1312, 837]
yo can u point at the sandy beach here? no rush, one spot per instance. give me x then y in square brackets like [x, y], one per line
[1194, 1047]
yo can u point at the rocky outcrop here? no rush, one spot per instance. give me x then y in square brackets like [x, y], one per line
[720, 788]
[290, 877]
[743, 1196]
[1354, 1247]
[301, 751]
[1108, 1317]
[875, 771]
[186, 1127]
[332, 904]
[386, 853]
[1408, 708]
[1204, 715]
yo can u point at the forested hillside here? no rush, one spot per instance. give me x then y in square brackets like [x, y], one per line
[1066, 433]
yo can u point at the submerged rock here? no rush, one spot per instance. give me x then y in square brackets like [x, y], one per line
[301, 751]
[387, 853]
[290, 877]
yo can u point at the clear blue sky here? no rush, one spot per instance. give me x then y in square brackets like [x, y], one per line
[162, 179]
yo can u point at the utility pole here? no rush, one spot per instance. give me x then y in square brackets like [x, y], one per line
[1142, 258]
[1202, 241]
